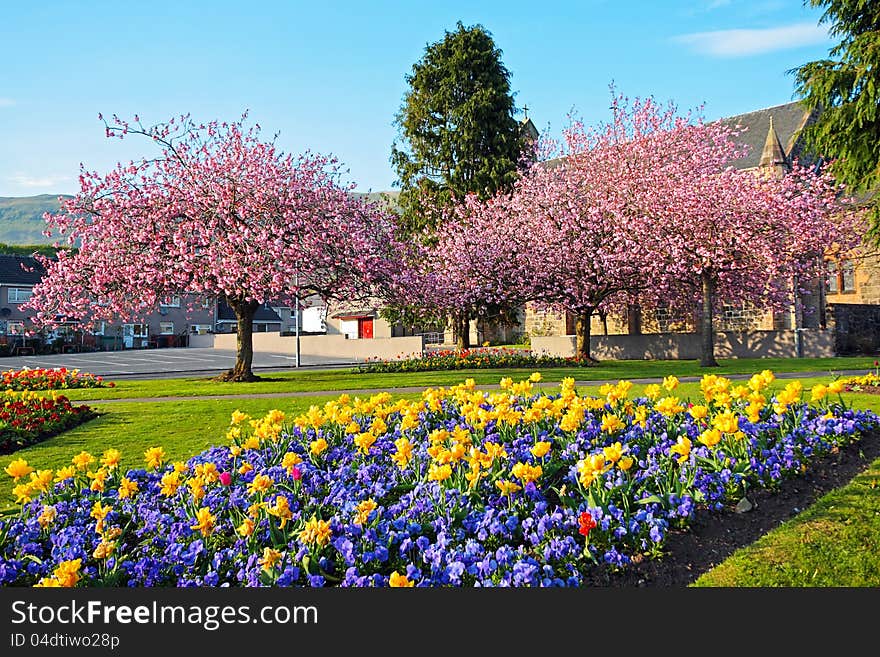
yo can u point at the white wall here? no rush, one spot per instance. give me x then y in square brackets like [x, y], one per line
[349, 328]
[313, 320]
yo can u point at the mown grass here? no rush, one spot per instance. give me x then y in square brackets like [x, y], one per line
[327, 380]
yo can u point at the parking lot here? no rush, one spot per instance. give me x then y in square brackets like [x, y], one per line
[158, 363]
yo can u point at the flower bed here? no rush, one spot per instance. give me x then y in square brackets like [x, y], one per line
[869, 383]
[460, 488]
[59, 378]
[469, 359]
[27, 418]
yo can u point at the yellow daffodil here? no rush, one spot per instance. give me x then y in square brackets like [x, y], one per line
[507, 487]
[127, 488]
[439, 473]
[613, 452]
[18, 468]
[652, 392]
[65, 473]
[698, 412]
[611, 423]
[527, 473]
[83, 460]
[260, 484]
[316, 532]
[398, 581]
[170, 482]
[710, 437]
[364, 509]
[281, 510]
[540, 449]
[682, 448]
[363, 441]
[154, 457]
[270, 558]
[110, 459]
[205, 521]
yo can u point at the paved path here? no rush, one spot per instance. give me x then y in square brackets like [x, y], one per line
[164, 363]
[417, 389]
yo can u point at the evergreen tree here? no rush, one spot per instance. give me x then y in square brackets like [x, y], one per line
[846, 87]
[457, 132]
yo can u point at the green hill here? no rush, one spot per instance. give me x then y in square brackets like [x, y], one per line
[21, 218]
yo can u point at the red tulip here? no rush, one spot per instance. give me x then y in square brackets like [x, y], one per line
[586, 523]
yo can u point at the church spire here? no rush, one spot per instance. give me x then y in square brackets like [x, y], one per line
[773, 155]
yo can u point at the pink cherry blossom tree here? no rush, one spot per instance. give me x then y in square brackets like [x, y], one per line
[645, 208]
[740, 237]
[217, 213]
[584, 241]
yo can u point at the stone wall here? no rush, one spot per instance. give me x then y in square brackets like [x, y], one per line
[856, 327]
[686, 346]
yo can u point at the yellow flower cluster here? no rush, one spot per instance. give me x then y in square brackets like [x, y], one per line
[66, 575]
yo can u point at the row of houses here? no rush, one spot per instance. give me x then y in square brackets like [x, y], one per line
[179, 321]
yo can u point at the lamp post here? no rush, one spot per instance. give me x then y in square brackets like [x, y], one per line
[296, 311]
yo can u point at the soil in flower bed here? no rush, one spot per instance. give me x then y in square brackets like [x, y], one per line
[714, 536]
[868, 390]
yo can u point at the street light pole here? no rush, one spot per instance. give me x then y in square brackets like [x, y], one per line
[296, 311]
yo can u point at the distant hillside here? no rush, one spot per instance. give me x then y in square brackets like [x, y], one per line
[388, 198]
[21, 218]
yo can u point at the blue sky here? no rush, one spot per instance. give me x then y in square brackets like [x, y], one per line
[330, 75]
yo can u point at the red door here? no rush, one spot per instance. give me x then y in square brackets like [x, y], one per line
[365, 327]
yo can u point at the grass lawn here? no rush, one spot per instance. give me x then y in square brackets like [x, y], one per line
[342, 379]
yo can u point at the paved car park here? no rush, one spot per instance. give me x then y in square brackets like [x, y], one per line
[158, 363]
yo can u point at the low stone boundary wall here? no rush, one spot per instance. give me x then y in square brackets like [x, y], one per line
[856, 328]
[338, 347]
[815, 343]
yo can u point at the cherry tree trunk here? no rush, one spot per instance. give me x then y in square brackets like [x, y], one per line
[244, 313]
[582, 333]
[707, 349]
[461, 330]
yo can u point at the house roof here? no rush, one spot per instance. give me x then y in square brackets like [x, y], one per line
[13, 272]
[263, 314]
[788, 122]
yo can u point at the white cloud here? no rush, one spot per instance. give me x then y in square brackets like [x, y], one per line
[744, 42]
[6, 102]
[23, 180]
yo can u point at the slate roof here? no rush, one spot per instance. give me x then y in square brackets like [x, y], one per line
[263, 314]
[788, 122]
[12, 272]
